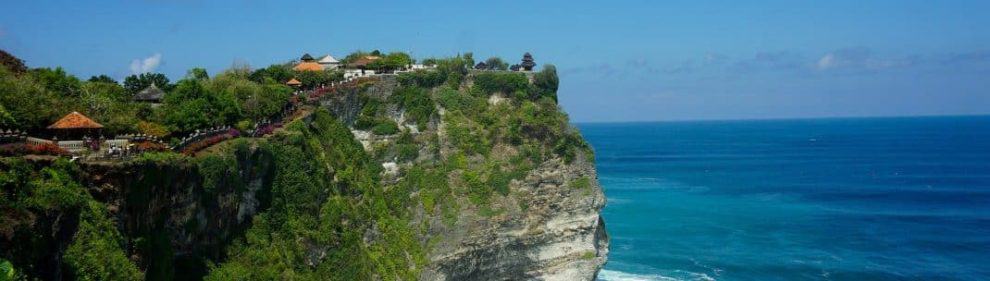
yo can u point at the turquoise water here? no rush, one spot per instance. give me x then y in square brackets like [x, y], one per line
[826, 199]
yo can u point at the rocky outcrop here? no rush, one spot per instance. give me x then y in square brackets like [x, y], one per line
[548, 228]
[551, 230]
[176, 215]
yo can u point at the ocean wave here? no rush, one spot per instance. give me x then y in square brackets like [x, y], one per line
[612, 275]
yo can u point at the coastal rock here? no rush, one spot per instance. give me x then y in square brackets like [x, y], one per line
[550, 230]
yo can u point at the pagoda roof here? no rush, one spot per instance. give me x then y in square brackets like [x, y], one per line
[306, 57]
[75, 120]
[293, 82]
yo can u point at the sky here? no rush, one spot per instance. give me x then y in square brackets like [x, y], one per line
[618, 60]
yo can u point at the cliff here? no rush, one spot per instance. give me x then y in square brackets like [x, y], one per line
[471, 177]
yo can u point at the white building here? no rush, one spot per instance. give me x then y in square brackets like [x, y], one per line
[328, 62]
[357, 73]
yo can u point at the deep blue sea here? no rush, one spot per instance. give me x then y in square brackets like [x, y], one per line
[821, 199]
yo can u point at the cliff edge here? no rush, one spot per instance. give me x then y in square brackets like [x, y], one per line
[445, 174]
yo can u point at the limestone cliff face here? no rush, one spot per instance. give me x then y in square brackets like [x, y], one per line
[558, 235]
[175, 215]
[178, 216]
[549, 226]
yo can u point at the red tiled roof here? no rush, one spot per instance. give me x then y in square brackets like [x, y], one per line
[293, 82]
[308, 66]
[75, 120]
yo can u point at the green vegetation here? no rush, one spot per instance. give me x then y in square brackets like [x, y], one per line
[7, 271]
[581, 183]
[418, 105]
[43, 95]
[136, 83]
[588, 255]
[385, 127]
[96, 252]
[496, 63]
[504, 82]
[422, 78]
[307, 215]
[322, 212]
[35, 200]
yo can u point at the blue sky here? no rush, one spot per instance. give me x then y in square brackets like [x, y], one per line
[618, 60]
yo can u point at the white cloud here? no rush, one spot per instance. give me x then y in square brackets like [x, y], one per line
[860, 58]
[826, 62]
[145, 65]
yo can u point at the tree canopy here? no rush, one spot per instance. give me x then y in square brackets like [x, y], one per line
[102, 78]
[136, 83]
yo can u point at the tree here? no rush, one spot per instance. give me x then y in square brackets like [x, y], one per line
[35, 105]
[12, 63]
[496, 63]
[6, 120]
[546, 82]
[311, 79]
[57, 81]
[193, 105]
[102, 78]
[110, 104]
[136, 83]
[197, 73]
[273, 74]
[257, 101]
[392, 61]
[468, 59]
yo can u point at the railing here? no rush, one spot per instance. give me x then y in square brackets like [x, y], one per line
[200, 135]
[15, 136]
[74, 147]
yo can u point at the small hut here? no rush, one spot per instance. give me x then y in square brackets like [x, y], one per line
[527, 62]
[75, 125]
[293, 82]
[152, 94]
[308, 64]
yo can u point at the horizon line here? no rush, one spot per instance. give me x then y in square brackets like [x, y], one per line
[790, 118]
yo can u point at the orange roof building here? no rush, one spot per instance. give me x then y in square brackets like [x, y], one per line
[293, 82]
[75, 120]
[308, 66]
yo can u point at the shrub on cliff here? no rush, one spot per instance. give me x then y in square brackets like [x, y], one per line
[422, 78]
[40, 201]
[546, 82]
[503, 82]
[96, 251]
[416, 102]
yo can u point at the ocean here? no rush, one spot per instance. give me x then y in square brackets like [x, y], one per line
[811, 199]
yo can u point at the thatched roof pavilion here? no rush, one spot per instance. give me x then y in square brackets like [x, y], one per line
[75, 120]
[293, 82]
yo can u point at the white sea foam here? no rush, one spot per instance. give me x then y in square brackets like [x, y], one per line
[611, 275]
[677, 275]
